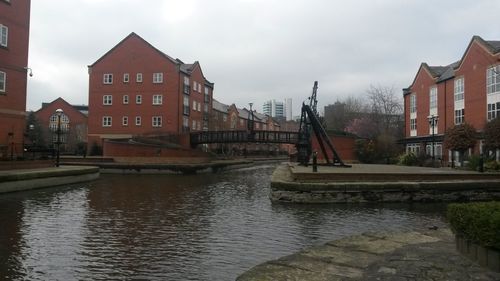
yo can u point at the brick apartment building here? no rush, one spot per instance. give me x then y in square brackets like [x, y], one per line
[464, 91]
[14, 40]
[73, 125]
[137, 90]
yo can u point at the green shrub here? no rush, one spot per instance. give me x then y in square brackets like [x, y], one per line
[408, 159]
[478, 222]
[473, 162]
[492, 165]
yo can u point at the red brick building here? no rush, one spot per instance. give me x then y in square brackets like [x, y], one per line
[465, 91]
[73, 125]
[14, 40]
[137, 90]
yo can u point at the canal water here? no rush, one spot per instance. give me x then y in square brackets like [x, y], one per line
[175, 227]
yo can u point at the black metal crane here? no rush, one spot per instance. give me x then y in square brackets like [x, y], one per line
[309, 122]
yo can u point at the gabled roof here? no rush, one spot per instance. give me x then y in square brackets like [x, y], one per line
[188, 68]
[77, 108]
[216, 105]
[134, 35]
[443, 73]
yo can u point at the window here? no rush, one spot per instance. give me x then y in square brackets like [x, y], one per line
[413, 103]
[195, 85]
[459, 116]
[138, 99]
[186, 80]
[199, 106]
[205, 108]
[3, 80]
[125, 120]
[108, 78]
[493, 80]
[242, 122]
[106, 121]
[459, 89]
[206, 91]
[107, 99]
[125, 99]
[4, 35]
[224, 118]
[126, 77]
[156, 121]
[493, 110]
[185, 122]
[194, 105]
[138, 78]
[157, 78]
[193, 127]
[138, 120]
[413, 124]
[157, 99]
[433, 98]
[54, 119]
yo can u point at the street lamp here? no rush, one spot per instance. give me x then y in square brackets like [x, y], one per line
[250, 121]
[59, 113]
[433, 119]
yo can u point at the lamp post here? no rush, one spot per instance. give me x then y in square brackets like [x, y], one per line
[59, 113]
[433, 119]
[250, 121]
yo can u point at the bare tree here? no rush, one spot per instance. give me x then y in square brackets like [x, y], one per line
[386, 109]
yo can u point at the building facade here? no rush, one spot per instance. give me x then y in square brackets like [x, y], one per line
[14, 42]
[73, 135]
[274, 108]
[441, 97]
[137, 90]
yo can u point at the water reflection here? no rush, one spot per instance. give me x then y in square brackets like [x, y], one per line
[173, 227]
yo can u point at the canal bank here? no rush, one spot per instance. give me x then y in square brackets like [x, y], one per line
[27, 179]
[416, 255]
[153, 165]
[380, 183]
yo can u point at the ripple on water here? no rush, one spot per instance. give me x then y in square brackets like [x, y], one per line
[174, 227]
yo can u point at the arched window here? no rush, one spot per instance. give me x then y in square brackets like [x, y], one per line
[64, 122]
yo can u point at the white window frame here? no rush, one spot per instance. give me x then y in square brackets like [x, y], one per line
[125, 99]
[459, 89]
[156, 121]
[206, 90]
[413, 103]
[138, 77]
[493, 111]
[433, 100]
[107, 78]
[126, 77]
[157, 77]
[107, 121]
[459, 116]
[194, 86]
[186, 80]
[107, 100]
[125, 121]
[138, 120]
[493, 80]
[193, 127]
[194, 105]
[199, 107]
[4, 36]
[3, 82]
[138, 99]
[157, 99]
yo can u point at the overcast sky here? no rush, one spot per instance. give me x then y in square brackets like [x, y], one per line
[256, 50]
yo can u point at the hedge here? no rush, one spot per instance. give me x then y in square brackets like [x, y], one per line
[478, 222]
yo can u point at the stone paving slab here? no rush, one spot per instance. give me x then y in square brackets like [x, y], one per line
[426, 255]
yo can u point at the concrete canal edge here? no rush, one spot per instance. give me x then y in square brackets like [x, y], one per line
[426, 255]
[340, 185]
[20, 180]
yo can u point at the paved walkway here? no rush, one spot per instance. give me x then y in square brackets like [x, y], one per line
[426, 255]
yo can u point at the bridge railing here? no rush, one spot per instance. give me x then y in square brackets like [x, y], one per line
[243, 137]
